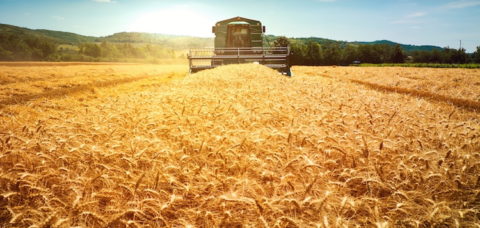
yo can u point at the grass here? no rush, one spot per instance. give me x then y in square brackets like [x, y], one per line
[428, 65]
[238, 145]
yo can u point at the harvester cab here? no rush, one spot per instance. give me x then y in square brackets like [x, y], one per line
[239, 40]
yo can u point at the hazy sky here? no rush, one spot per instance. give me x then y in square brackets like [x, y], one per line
[436, 22]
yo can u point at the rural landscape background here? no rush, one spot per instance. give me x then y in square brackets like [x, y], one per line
[18, 43]
[105, 127]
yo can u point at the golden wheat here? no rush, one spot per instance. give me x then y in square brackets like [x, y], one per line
[457, 83]
[237, 145]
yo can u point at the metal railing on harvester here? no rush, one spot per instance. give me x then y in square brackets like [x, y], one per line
[207, 58]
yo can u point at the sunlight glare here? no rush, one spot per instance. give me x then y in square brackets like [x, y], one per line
[179, 20]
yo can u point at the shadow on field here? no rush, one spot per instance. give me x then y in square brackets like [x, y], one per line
[459, 102]
[21, 99]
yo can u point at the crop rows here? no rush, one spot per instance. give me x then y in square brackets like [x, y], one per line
[455, 83]
[19, 84]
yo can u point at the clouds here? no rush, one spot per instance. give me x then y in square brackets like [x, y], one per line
[412, 18]
[462, 4]
[416, 15]
[104, 1]
[419, 17]
[58, 18]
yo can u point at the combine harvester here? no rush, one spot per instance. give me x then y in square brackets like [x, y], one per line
[239, 40]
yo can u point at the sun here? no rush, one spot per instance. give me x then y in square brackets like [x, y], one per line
[178, 20]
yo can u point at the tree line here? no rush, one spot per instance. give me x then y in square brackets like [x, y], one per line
[114, 51]
[335, 53]
[39, 48]
[18, 47]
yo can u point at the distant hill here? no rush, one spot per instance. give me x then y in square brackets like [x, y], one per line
[24, 32]
[172, 41]
[271, 38]
[406, 47]
[57, 36]
[66, 37]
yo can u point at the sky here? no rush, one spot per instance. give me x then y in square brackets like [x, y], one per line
[422, 22]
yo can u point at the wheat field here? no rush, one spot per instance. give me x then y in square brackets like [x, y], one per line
[112, 145]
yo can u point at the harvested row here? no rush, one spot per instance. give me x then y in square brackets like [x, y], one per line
[239, 145]
[453, 83]
[19, 85]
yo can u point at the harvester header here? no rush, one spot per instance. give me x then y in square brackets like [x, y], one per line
[239, 40]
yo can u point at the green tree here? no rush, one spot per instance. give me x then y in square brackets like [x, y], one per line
[436, 56]
[5, 55]
[398, 55]
[366, 54]
[380, 53]
[447, 55]
[281, 42]
[459, 56]
[331, 54]
[299, 54]
[314, 53]
[476, 55]
[349, 54]
[91, 49]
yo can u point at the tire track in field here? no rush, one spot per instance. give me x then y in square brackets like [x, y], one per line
[22, 99]
[459, 102]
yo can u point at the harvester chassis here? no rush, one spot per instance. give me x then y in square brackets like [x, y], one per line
[208, 58]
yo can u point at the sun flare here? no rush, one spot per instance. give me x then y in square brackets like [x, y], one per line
[177, 20]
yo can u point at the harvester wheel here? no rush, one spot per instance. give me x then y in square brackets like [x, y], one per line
[288, 72]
